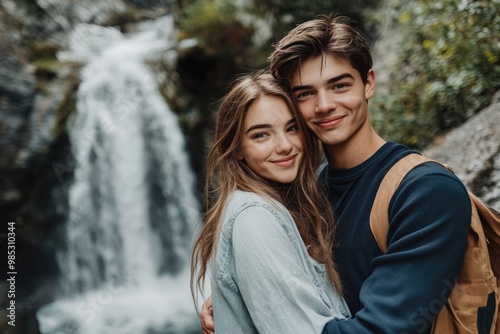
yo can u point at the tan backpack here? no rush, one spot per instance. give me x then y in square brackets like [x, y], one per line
[478, 285]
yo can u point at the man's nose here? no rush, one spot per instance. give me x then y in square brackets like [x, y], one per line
[324, 103]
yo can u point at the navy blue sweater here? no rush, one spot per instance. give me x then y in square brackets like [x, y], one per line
[403, 290]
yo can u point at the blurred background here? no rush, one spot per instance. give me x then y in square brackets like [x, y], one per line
[106, 114]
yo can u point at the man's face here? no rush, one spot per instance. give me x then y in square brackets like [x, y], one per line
[333, 99]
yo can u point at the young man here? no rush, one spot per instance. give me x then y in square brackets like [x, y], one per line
[328, 67]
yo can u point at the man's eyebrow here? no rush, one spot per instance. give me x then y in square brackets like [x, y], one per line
[329, 81]
[340, 77]
[303, 87]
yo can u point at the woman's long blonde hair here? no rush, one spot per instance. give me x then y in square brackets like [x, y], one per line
[224, 174]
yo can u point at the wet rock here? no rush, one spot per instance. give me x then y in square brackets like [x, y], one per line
[473, 151]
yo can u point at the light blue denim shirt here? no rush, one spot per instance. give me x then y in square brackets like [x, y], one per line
[263, 280]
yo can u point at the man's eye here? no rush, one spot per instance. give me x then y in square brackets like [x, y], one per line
[303, 94]
[293, 128]
[340, 86]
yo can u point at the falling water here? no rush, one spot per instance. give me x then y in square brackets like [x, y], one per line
[132, 208]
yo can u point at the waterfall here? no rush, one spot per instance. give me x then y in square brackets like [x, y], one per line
[132, 206]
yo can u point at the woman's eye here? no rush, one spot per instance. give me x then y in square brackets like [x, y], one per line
[258, 135]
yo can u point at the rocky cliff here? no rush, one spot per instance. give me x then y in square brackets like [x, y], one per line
[473, 151]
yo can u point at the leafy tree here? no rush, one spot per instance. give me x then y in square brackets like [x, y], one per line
[247, 29]
[285, 14]
[449, 68]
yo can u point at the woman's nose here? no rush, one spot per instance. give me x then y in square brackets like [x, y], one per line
[283, 144]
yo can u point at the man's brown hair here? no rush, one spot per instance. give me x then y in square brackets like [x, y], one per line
[325, 35]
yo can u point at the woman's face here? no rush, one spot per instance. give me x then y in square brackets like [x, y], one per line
[271, 143]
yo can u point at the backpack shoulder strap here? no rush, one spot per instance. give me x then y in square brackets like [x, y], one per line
[379, 216]
[491, 219]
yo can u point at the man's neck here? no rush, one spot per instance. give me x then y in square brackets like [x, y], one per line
[354, 151]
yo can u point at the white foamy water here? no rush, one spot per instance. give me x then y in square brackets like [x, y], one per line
[161, 307]
[132, 206]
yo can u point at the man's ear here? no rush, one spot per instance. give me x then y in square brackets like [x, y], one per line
[370, 84]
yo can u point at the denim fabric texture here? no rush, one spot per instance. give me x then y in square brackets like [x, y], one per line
[263, 280]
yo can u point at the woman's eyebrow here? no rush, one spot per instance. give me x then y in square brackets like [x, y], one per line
[268, 126]
[258, 126]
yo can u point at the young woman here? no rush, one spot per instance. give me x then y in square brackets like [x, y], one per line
[268, 227]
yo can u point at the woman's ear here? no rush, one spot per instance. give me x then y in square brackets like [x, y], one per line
[238, 154]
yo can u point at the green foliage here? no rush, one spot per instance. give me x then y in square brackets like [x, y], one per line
[223, 48]
[215, 25]
[247, 29]
[449, 69]
[285, 14]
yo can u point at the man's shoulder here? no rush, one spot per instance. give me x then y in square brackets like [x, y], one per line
[427, 185]
[433, 170]
[395, 152]
[433, 183]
